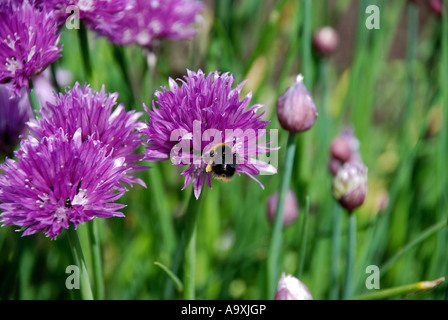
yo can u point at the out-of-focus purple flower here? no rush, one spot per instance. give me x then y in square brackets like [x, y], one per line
[344, 148]
[190, 120]
[29, 43]
[296, 110]
[350, 185]
[14, 113]
[43, 86]
[290, 209]
[58, 181]
[63, 77]
[98, 15]
[146, 20]
[291, 288]
[95, 113]
[436, 6]
[340, 149]
[326, 40]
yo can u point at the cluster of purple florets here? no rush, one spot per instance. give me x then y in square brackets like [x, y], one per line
[77, 153]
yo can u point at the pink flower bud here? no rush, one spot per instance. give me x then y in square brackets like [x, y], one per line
[350, 185]
[296, 110]
[334, 165]
[340, 149]
[344, 148]
[290, 208]
[349, 136]
[291, 288]
[326, 41]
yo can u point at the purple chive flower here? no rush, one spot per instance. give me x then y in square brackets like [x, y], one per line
[14, 113]
[192, 121]
[58, 181]
[95, 113]
[29, 43]
[291, 288]
[98, 15]
[146, 20]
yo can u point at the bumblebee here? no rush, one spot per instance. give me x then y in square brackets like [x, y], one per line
[219, 165]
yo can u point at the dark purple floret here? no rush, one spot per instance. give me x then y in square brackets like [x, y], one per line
[28, 44]
[58, 181]
[14, 113]
[189, 120]
[146, 20]
[98, 117]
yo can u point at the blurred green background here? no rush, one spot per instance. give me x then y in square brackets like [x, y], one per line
[389, 85]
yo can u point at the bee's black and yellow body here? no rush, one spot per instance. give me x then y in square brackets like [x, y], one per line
[222, 162]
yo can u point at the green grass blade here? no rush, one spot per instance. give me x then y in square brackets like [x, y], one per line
[402, 290]
[177, 282]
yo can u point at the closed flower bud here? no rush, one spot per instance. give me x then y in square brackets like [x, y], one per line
[350, 185]
[344, 148]
[349, 136]
[340, 149]
[291, 288]
[290, 208]
[326, 41]
[334, 165]
[296, 110]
